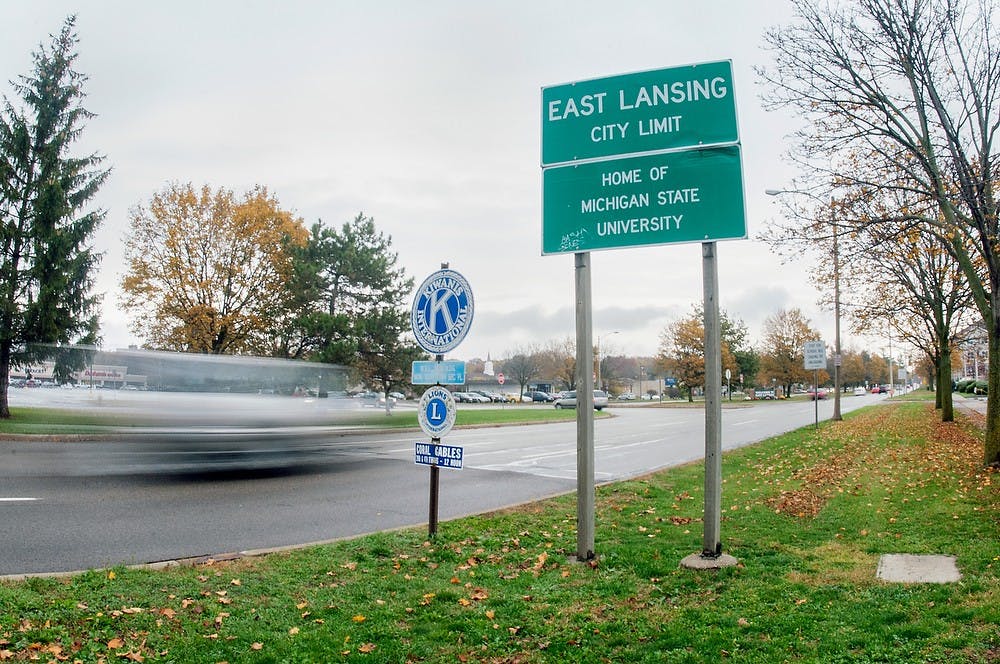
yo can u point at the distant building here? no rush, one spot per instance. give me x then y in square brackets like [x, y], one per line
[974, 348]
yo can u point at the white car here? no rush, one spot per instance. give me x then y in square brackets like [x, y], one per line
[860, 391]
[569, 401]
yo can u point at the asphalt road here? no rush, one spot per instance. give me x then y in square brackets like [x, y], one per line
[73, 506]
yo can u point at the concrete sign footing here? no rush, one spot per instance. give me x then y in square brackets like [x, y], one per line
[699, 561]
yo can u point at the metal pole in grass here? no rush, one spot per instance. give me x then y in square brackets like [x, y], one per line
[816, 396]
[432, 518]
[711, 556]
[584, 411]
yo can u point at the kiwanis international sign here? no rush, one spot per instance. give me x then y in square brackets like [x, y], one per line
[442, 311]
[642, 159]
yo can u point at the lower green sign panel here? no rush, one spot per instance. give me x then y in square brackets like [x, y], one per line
[689, 196]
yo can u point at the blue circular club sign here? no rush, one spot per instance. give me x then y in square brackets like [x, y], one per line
[442, 311]
[436, 411]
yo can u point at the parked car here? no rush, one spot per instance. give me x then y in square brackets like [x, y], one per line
[494, 397]
[816, 394]
[626, 396]
[569, 401]
[860, 391]
[541, 396]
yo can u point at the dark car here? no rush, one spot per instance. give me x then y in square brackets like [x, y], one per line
[540, 396]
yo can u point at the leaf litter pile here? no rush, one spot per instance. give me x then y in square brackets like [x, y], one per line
[806, 515]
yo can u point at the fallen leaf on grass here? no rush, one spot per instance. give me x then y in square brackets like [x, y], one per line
[257, 646]
[367, 647]
[115, 643]
[359, 618]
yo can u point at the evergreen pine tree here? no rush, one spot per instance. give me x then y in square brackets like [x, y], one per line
[46, 260]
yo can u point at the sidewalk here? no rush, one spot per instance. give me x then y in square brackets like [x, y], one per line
[973, 404]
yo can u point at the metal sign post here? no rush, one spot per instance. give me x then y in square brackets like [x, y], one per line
[584, 412]
[712, 537]
[432, 501]
[816, 399]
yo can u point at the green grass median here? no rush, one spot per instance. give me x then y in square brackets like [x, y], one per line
[54, 421]
[807, 514]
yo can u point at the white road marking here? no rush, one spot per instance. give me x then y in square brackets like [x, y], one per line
[17, 500]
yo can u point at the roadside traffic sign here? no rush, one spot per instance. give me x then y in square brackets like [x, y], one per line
[436, 411]
[500, 378]
[442, 311]
[814, 355]
[663, 109]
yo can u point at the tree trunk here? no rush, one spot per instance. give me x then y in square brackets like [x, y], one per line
[4, 379]
[992, 439]
[943, 398]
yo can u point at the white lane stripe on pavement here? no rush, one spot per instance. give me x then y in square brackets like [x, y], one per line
[16, 500]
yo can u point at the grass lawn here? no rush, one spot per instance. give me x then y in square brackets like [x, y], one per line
[807, 515]
[52, 421]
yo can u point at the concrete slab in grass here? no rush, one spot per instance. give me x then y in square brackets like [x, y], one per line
[909, 568]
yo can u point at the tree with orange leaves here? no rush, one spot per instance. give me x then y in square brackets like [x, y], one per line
[207, 269]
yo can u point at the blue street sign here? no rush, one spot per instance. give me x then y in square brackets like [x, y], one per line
[442, 311]
[670, 382]
[436, 411]
[451, 372]
[442, 456]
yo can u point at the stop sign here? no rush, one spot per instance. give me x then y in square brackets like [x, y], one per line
[500, 378]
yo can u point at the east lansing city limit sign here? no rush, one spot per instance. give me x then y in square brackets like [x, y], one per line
[646, 158]
[602, 186]
[649, 111]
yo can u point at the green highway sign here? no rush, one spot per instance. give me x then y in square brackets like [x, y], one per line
[664, 109]
[666, 198]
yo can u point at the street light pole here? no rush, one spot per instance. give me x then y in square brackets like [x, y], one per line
[836, 318]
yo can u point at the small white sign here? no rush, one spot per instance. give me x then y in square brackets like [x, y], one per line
[815, 355]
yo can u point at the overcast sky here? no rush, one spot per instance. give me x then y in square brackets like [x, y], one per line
[426, 117]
